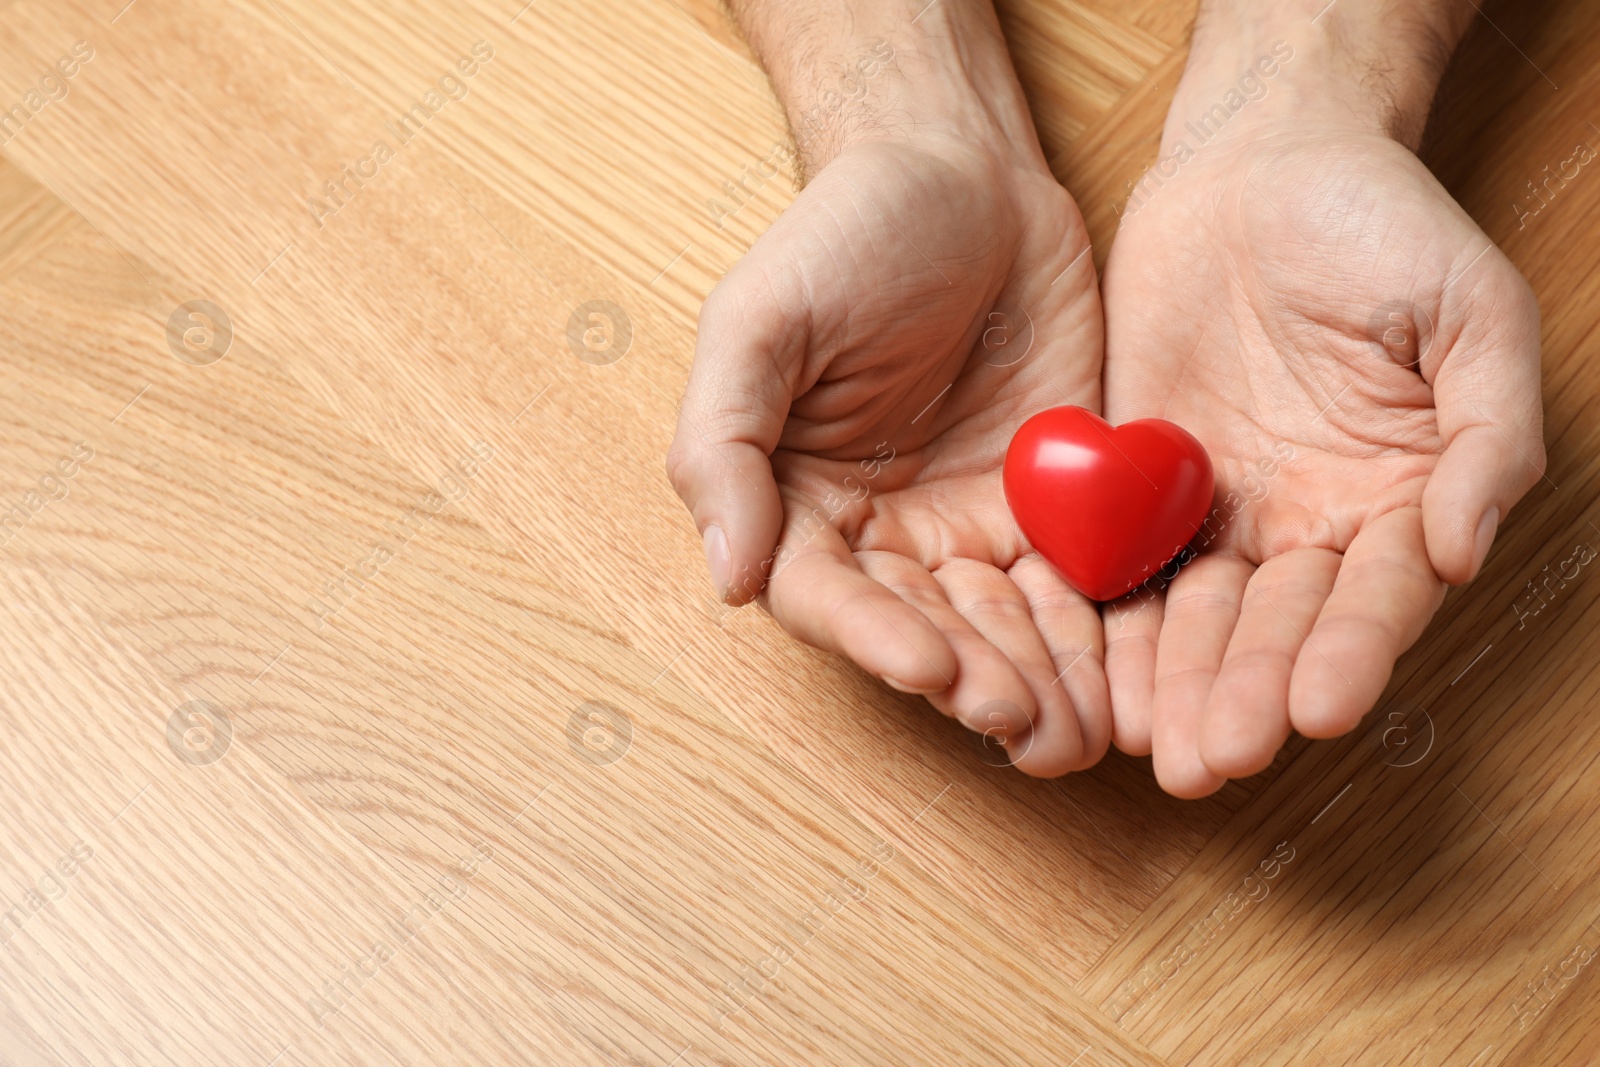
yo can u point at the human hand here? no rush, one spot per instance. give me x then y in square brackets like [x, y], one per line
[859, 374]
[1363, 366]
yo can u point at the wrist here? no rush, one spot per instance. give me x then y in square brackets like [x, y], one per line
[936, 76]
[1369, 66]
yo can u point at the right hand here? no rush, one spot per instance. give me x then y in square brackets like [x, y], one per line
[857, 379]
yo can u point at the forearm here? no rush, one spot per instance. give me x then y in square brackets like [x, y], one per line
[1375, 64]
[852, 69]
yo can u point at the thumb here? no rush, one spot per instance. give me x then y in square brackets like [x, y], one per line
[1491, 416]
[730, 420]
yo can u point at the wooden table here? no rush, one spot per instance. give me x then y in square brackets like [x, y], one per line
[364, 702]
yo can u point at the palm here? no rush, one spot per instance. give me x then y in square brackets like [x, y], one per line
[914, 316]
[1320, 315]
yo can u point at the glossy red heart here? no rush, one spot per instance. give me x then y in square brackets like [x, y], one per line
[1107, 505]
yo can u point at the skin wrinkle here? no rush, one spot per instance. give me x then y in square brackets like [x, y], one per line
[1237, 281]
[958, 570]
[819, 361]
[1233, 318]
[862, 217]
[1468, 302]
[1192, 356]
[1318, 379]
[1070, 659]
[748, 305]
[1282, 344]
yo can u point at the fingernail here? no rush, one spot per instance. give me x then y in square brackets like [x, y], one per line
[719, 560]
[1484, 538]
[913, 690]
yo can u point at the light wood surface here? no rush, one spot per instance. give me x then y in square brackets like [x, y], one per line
[482, 774]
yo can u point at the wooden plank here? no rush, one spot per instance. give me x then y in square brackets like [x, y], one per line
[1433, 892]
[1075, 62]
[419, 312]
[1365, 901]
[618, 947]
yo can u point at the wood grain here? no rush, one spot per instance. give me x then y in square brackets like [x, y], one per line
[484, 715]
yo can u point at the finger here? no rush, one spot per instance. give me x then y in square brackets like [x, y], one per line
[996, 608]
[1487, 393]
[961, 512]
[819, 594]
[1247, 715]
[1382, 600]
[733, 411]
[1070, 625]
[988, 694]
[1132, 625]
[1202, 608]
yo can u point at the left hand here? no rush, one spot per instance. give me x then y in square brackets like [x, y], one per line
[1362, 365]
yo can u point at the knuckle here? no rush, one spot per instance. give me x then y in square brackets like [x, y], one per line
[681, 465]
[743, 295]
[1538, 463]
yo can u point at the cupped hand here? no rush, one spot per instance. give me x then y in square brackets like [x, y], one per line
[1363, 366]
[857, 378]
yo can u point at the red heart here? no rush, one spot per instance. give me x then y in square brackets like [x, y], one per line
[1107, 505]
